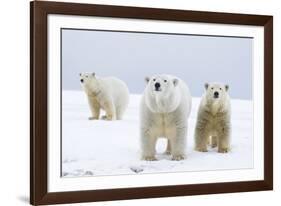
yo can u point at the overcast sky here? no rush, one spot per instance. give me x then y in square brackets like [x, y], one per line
[132, 56]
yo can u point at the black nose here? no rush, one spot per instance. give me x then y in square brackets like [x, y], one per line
[216, 94]
[81, 80]
[157, 85]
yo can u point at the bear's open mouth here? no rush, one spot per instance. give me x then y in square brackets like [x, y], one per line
[158, 90]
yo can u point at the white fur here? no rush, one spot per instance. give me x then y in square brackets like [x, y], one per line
[110, 94]
[164, 113]
[213, 121]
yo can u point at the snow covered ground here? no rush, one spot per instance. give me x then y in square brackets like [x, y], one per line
[99, 147]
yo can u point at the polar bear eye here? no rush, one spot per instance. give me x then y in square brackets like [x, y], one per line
[154, 79]
[220, 88]
[212, 88]
[165, 80]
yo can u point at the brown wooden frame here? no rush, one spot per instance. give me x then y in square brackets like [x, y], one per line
[38, 102]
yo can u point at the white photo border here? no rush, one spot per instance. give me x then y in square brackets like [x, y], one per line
[58, 184]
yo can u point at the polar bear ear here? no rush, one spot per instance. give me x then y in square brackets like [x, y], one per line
[226, 87]
[147, 79]
[175, 82]
[93, 74]
[206, 85]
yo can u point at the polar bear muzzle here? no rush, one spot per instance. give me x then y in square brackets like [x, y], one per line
[157, 86]
[216, 95]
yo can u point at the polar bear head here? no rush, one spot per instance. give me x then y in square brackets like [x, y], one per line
[216, 91]
[89, 82]
[162, 93]
[217, 95]
[161, 84]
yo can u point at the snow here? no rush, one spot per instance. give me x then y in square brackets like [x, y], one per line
[100, 147]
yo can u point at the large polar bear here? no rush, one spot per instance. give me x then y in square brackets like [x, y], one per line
[165, 108]
[213, 120]
[110, 94]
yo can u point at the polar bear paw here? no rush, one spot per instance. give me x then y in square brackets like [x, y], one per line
[149, 158]
[223, 150]
[178, 157]
[103, 117]
[213, 145]
[108, 117]
[93, 118]
[201, 149]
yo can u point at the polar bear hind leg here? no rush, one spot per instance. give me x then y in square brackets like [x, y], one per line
[120, 112]
[121, 107]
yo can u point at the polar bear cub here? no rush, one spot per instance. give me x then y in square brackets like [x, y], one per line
[110, 94]
[213, 121]
[165, 108]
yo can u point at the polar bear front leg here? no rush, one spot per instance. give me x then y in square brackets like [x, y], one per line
[201, 139]
[168, 149]
[94, 107]
[148, 142]
[224, 140]
[178, 143]
[213, 141]
[110, 110]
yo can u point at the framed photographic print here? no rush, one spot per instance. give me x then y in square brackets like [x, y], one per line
[131, 102]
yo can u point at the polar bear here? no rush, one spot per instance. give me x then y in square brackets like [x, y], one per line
[213, 121]
[110, 94]
[165, 108]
